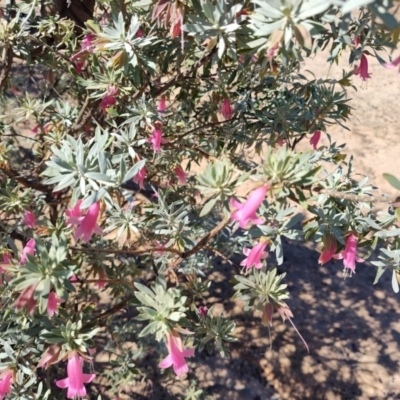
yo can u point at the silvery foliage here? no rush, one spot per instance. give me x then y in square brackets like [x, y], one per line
[161, 237]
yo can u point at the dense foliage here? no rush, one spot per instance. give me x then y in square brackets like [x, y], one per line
[121, 172]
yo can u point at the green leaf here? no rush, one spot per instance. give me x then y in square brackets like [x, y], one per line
[395, 283]
[392, 180]
[208, 207]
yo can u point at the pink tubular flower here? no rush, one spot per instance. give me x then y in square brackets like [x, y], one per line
[255, 255]
[5, 384]
[162, 105]
[348, 255]
[140, 177]
[203, 311]
[34, 130]
[177, 354]
[87, 43]
[362, 69]
[226, 109]
[246, 212]
[315, 139]
[76, 378]
[329, 249]
[50, 356]
[395, 63]
[28, 249]
[29, 219]
[110, 98]
[180, 173]
[74, 212]
[79, 66]
[102, 278]
[156, 139]
[52, 304]
[87, 224]
[26, 299]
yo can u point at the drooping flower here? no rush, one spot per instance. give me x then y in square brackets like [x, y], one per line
[52, 304]
[156, 139]
[355, 41]
[162, 105]
[176, 25]
[226, 109]
[29, 219]
[177, 354]
[28, 249]
[140, 177]
[34, 130]
[139, 33]
[362, 69]
[76, 378]
[180, 173]
[87, 224]
[395, 63]
[102, 278]
[246, 212]
[5, 383]
[26, 299]
[315, 139]
[271, 54]
[87, 43]
[79, 66]
[329, 249]
[110, 98]
[203, 311]
[50, 356]
[74, 212]
[349, 254]
[255, 255]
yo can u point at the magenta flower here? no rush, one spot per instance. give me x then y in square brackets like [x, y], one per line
[329, 249]
[110, 98]
[180, 173]
[26, 299]
[203, 311]
[395, 63]
[348, 255]
[34, 130]
[76, 378]
[29, 219]
[315, 139]
[177, 354]
[362, 69]
[246, 212]
[79, 66]
[162, 105]
[156, 139]
[6, 261]
[87, 43]
[255, 255]
[52, 304]
[87, 224]
[50, 356]
[5, 383]
[140, 177]
[226, 109]
[28, 249]
[102, 279]
[139, 33]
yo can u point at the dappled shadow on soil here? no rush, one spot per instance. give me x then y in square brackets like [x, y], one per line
[351, 327]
